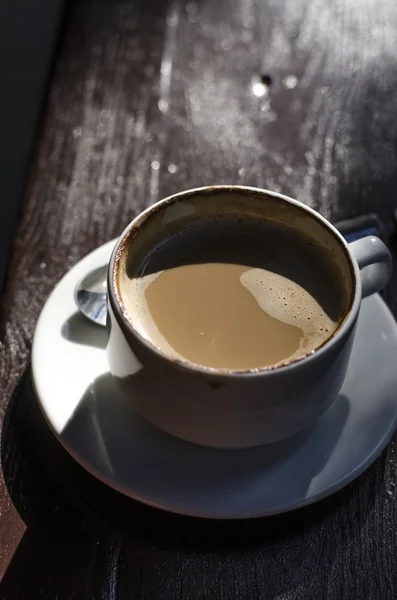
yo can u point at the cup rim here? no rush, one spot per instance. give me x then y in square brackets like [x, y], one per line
[126, 322]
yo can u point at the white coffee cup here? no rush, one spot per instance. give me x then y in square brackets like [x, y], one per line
[226, 408]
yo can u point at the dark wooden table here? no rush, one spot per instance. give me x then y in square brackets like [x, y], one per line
[149, 97]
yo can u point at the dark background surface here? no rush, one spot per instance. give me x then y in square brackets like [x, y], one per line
[148, 98]
[28, 34]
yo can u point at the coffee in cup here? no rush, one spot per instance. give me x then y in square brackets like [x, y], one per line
[232, 313]
[234, 292]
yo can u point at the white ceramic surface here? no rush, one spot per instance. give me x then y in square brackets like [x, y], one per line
[104, 434]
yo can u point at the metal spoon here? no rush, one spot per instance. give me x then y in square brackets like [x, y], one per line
[91, 295]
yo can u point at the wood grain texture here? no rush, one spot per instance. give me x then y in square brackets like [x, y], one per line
[149, 97]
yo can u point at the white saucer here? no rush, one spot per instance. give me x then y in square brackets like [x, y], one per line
[102, 432]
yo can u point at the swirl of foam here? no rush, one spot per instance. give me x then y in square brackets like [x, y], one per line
[292, 304]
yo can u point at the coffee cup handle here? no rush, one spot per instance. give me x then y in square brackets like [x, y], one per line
[375, 263]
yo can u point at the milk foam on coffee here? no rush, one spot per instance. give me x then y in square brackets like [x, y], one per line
[274, 293]
[235, 294]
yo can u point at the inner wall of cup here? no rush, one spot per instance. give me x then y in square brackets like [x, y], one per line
[179, 211]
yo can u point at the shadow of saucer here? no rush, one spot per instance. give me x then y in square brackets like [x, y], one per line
[52, 478]
[74, 522]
